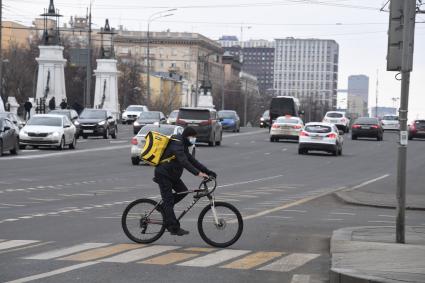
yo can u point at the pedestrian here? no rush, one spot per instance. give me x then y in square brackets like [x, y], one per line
[63, 104]
[77, 107]
[7, 108]
[27, 107]
[168, 175]
[52, 103]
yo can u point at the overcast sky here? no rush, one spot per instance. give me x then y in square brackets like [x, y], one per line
[357, 25]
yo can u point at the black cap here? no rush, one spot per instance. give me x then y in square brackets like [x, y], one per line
[189, 132]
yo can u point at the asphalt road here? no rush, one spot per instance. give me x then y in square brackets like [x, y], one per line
[60, 211]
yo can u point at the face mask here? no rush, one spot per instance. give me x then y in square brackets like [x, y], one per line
[192, 140]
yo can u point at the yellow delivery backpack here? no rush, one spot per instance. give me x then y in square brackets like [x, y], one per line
[155, 145]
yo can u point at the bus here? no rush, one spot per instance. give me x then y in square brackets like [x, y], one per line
[284, 105]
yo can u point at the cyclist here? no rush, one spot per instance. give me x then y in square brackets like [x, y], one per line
[168, 175]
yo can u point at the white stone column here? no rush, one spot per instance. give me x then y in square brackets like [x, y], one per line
[106, 85]
[51, 64]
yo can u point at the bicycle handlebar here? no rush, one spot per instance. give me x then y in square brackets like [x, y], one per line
[204, 184]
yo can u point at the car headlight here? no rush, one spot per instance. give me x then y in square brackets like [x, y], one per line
[101, 123]
[54, 134]
[76, 123]
[262, 119]
[136, 123]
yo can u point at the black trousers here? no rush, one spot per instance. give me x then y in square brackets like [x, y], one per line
[166, 186]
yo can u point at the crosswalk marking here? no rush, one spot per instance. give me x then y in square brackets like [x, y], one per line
[67, 251]
[253, 260]
[214, 258]
[169, 258]
[15, 243]
[300, 278]
[202, 250]
[139, 254]
[101, 252]
[290, 262]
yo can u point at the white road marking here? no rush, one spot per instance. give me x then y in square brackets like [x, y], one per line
[251, 181]
[15, 243]
[139, 254]
[382, 221]
[295, 210]
[290, 262]
[214, 258]
[332, 219]
[369, 182]
[114, 142]
[383, 215]
[300, 278]
[53, 272]
[342, 213]
[12, 205]
[66, 251]
[280, 217]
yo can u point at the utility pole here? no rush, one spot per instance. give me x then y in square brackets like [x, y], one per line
[377, 92]
[245, 103]
[400, 58]
[1, 51]
[88, 73]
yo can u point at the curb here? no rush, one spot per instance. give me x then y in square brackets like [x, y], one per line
[343, 196]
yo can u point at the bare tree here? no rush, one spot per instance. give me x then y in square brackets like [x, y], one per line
[131, 89]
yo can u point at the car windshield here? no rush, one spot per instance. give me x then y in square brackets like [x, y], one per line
[93, 114]
[318, 129]
[283, 120]
[194, 114]
[135, 108]
[59, 112]
[266, 114]
[368, 121]
[173, 114]
[390, 118]
[168, 131]
[335, 115]
[149, 115]
[227, 114]
[45, 121]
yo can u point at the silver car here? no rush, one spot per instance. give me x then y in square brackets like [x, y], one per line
[138, 141]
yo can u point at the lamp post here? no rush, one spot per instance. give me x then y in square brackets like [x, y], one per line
[151, 18]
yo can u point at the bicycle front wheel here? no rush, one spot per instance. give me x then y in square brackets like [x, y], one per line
[142, 222]
[220, 225]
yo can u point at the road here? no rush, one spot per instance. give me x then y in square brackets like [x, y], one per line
[60, 211]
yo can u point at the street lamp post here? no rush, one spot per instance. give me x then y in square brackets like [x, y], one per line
[151, 18]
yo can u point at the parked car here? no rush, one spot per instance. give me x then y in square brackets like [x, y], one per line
[390, 122]
[417, 129]
[9, 136]
[338, 118]
[15, 119]
[138, 142]
[321, 137]
[206, 123]
[148, 118]
[265, 119]
[172, 118]
[132, 113]
[286, 127]
[72, 115]
[230, 120]
[48, 130]
[98, 122]
[367, 127]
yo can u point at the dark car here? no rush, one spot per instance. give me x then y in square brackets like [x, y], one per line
[230, 120]
[265, 119]
[72, 115]
[148, 118]
[368, 128]
[205, 121]
[417, 129]
[15, 119]
[9, 136]
[97, 122]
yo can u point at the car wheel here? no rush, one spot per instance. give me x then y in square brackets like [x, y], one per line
[410, 137]
[62, 144]
[271, 139]
[335, 152]
[22, 147]
[106, 134]
[219, 141]
[15, 150]
[135, 160]
[340, 151]
[1, 148]
[353, 137]
[73, 145]
[347, 129]
[212, 143]
[123, 122]
[85, 137]
[114, 134]
[301, 151]
[239, 129]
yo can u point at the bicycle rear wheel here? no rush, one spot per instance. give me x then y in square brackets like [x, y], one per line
[142, 222]
[229, 227]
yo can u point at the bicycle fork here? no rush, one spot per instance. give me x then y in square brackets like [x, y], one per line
[211, 199]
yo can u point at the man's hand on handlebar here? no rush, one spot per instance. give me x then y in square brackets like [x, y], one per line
[203, 175]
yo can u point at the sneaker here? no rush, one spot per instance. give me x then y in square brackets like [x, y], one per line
[179, 232]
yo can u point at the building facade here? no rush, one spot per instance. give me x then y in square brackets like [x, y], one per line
[232, 68]
[307, 69]
[15, 34]
[358, 85]
[356, 107]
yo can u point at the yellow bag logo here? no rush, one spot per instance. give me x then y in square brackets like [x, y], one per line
[155, 145]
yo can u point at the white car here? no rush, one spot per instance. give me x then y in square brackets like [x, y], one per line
[138, 142]
[286, 127]
[132, 113]
[48, 130]
[318, 136]
[338, 118]
[390, 122]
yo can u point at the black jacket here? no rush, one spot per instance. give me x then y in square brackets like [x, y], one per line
[174, 169]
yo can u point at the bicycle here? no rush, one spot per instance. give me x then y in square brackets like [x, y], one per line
[143, 219]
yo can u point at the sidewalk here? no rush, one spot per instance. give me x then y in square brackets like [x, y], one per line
[370, 254]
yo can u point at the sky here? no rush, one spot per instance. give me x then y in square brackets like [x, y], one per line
[358, 26]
